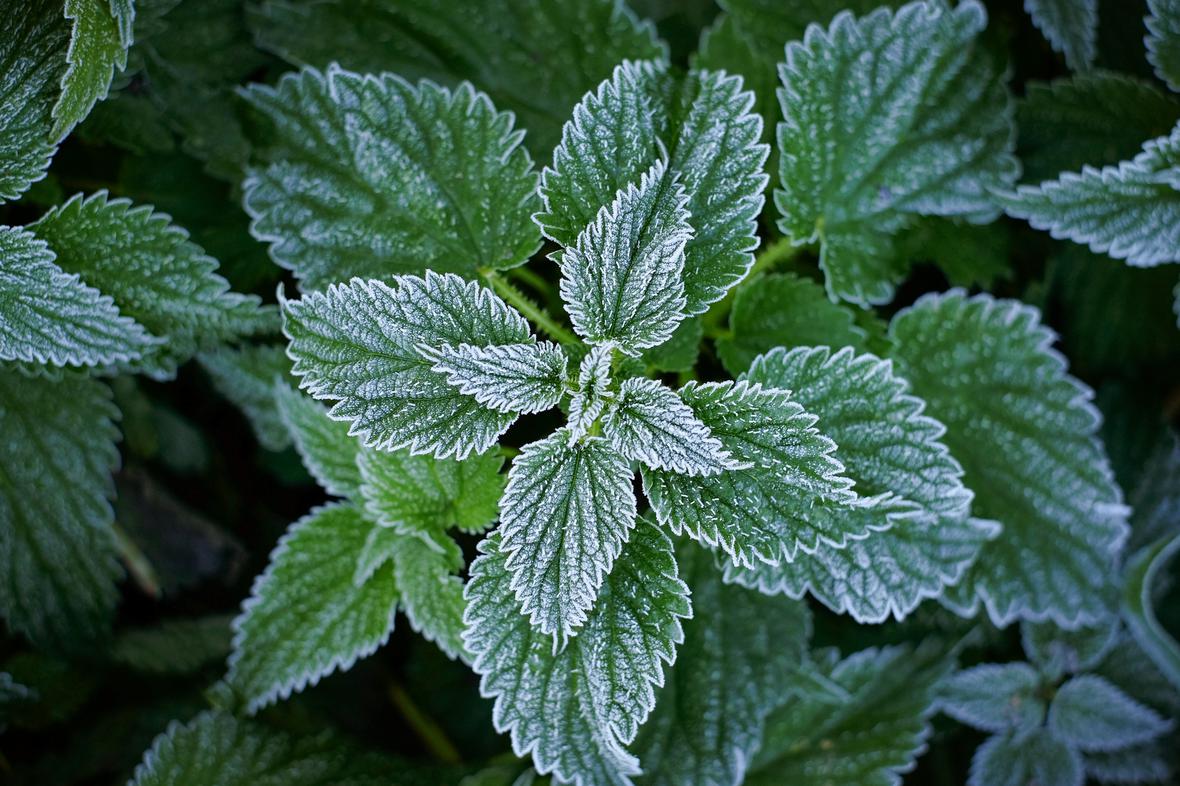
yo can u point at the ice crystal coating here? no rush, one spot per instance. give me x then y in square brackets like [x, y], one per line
[1163, 40]
[566, 512]
[623, 278]
[702, 125]
[1071, 27]
[594, 379]
[574, 709]
[324, 445]
[994, 697]
[507, 378]
[926, 131]
[431, 594]
[371, 176]
[1093, 715]
[1056, 651]
[98, 45]
[1030, 756]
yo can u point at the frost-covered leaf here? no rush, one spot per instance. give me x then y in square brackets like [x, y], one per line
[1071, 27]
[1155, 493]
[887, 446]
[870, 737]
[703, 126]
[1032, 756]
[566, 512]
[49, 316]
[649, 423]
[97, 47]
[623, 278]
[178, 646]
[57, 549]
[1139, 612]
[1130, 211]
[1163, 40]
[246, 376]
[507, 378]
[371, 176]
[574, 709]
[431, 594]
[928, 133]
[1093, 715]
[994, 697]
[327, 450]
[1138, 764]
[729, 673]
[1057, 651]
[784, 310]
[32, 43]
[277, 651]
[154, 273]
[359, 344]
[1025, 434]
[594, 377]
[793, 496]
[519, 51]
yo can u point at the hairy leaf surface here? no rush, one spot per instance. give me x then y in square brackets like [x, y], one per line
[98, 45]
[507, 378]
[995, 697]
[1071, 27]
[1093, 715]
[327, 450]
[1163, 40]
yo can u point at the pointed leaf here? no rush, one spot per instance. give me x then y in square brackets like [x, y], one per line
[1093, 715]
[97, 48]
[1057, 652]
[246, 376]
[507, 378]
[1137, 608]
[994, 697]
[177, 646]
[327, 450]
[1071, 26]
[431, 594]
[1033, 756]
[594, 377]
[1163, 40]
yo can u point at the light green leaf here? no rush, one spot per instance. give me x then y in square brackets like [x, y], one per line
[574, 708]
[49, 316]
[431, 594]
[703, 126]
[1057, 652]
[995, 697]
[930, 137]
[327, 450]
[794, 496]
[679, 353]
[1071, 27]
[1093, 715]
[623, 279]
[1032, 756]
[358, 344]
[123, 12]
[524, 378]
[246, 376]
[154, 273]
[1156, 642]
[277, 652]
[97, 47]
[1130, 211]
[177, 646]
[566, 512]
[1025, 434]
[1163, 40]
[594, 378]
[32, 43]
[729, 673]
[371, 176]
[57, 551]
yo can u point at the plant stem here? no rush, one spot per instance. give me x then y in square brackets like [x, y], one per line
[537, 315]
[532, 279]
[433, 737]
[141, 570]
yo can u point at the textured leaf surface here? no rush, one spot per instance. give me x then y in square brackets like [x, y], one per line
[1093, 715]
[306, 617]
[1163, 40]
[371, 176]
[929, 135]
[154, 273]
[49, 316]
[57, 550]
[793, 496]
[246, 376]
[1033, 756]
[564, 517]
[574, 709]
[1071, 27]
[97, 48]
[995, 697]
[729, 673]
[507, 378]
[623, 279]
[179, 646]
[1139, 612]
[703, 125]
[327, 450]
[431, 594]
[1025, 434]
[1057, 651]
[594, 378]
[358, 344]
[1130, 211]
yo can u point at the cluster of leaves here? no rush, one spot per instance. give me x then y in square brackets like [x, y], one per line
[727, 495]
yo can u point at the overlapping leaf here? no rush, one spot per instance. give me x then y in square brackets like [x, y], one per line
[1163, 40]
[1092, 715]
[327, 450]
[995, 697]
[507, 378]
[246, 376]
[594, 378]
[1034, 755]
[98, 45]
[1071, 27]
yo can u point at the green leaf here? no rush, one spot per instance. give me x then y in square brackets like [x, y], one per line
[566, 512]
[1130, 211]
[327, 450]
[1155, 493]
[1163, 40]
[623, 279]
[702, 125]
[1142, 569]
[574, 708]
[98, 45]
[794, 495]
[49, 316]
[371, 176]
[1093, 715]
[1032, 756]
[154, 273]
[359, 344]
[995, 697]
[1137, 764]
[594, 377]
[1057, 652]
[431, 594]
[649, 423]
[931, 136]
[969, 255]
[520, 53]
[1071, 27]
[679, 353]
[924, 540]
[246, 376]
[870, 737]
[31, 65]
[178, 646]
[729, 673]
[525, 378]
[57, 550]
[276, 651]
[1025, 434]
[784, 310]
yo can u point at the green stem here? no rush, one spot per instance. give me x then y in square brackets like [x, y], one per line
[432, 736]
[137, 563]
[537, 315]
[532, 279]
